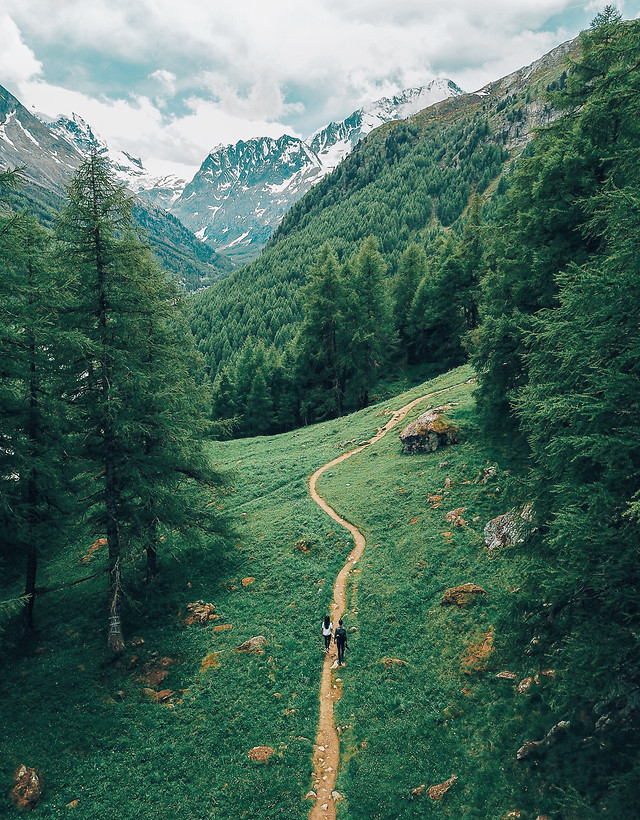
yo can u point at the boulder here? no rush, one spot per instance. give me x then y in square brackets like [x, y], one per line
[261, 754]
[254, 645]
[536, 748]
[428, 433]
[27, 791]
[509, 529]
[439, 791]
[461, 595]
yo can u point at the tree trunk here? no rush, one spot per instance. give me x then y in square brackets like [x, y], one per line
[32, 489]
[29, 590]
[152, 552]
[115, 640]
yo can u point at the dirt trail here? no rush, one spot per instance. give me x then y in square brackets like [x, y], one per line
[326, 756]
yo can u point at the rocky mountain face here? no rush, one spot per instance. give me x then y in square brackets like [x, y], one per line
[241, 192]
[336, 140]
[49, 160]
[129, 170]
[51, 151]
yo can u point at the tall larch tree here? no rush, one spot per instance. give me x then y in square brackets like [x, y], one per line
[371, 339]
[33, 349]
[137, 410]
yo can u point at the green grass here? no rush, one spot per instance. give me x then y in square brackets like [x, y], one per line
[87, 724]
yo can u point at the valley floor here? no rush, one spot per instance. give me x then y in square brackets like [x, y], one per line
[167, 731]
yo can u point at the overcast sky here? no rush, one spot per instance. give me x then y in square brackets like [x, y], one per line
[168, 80]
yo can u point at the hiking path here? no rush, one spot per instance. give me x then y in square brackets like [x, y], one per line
[326, 756]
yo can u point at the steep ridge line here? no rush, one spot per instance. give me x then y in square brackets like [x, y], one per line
[326, 754]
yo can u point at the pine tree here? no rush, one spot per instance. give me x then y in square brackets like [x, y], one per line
[33, 349]
[411, 271]
[320, 341]
[372, 340]
[577, 397]
[139, 414]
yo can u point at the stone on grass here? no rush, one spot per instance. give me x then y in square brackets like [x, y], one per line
[200, 612]
[525, 685]
[455, 517]
[439, 791]
[27, 791]
[254, 645]
[261, 754]
[389, 662]
[428, 432]
[461, 595]
[509, 529]
[507, 675]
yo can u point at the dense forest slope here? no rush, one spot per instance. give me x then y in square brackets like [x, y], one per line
[404, 183]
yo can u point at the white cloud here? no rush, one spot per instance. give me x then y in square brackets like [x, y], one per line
[17, 61]
[166, 80]
[219, 72]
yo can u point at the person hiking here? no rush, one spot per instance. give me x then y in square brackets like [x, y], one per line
[340, 638]
[327, 629]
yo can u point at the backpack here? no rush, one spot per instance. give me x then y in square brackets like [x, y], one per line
[341, 635]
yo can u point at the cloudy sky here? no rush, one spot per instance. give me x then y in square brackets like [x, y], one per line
[167, 80]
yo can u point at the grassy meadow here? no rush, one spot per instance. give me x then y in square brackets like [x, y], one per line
[421, 701]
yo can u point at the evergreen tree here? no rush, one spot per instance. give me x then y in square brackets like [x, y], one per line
[259, 405]
[576, 390]
[320, 341]
[411, 271]
[139, 414]
[439, 310]
[33, 349]
[372, 339]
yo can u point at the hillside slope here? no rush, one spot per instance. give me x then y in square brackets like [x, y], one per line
[168, 729]
[403, 183]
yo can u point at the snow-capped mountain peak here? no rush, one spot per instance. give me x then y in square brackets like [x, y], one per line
[336, 140]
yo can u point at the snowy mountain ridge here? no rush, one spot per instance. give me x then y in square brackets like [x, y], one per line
[241, 192]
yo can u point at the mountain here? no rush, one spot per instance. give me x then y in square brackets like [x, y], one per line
[406, 181]
[241, 192]
[239, 195]
[332, 143]
[50, 151]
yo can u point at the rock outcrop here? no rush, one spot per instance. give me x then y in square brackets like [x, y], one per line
[536, 748]
[461, 595]
[428, 433]
[509, 529]
[27, 791]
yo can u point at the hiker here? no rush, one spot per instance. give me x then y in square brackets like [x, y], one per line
[340, 638]
[327, 629]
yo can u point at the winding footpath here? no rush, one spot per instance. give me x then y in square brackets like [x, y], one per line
[326, 756]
